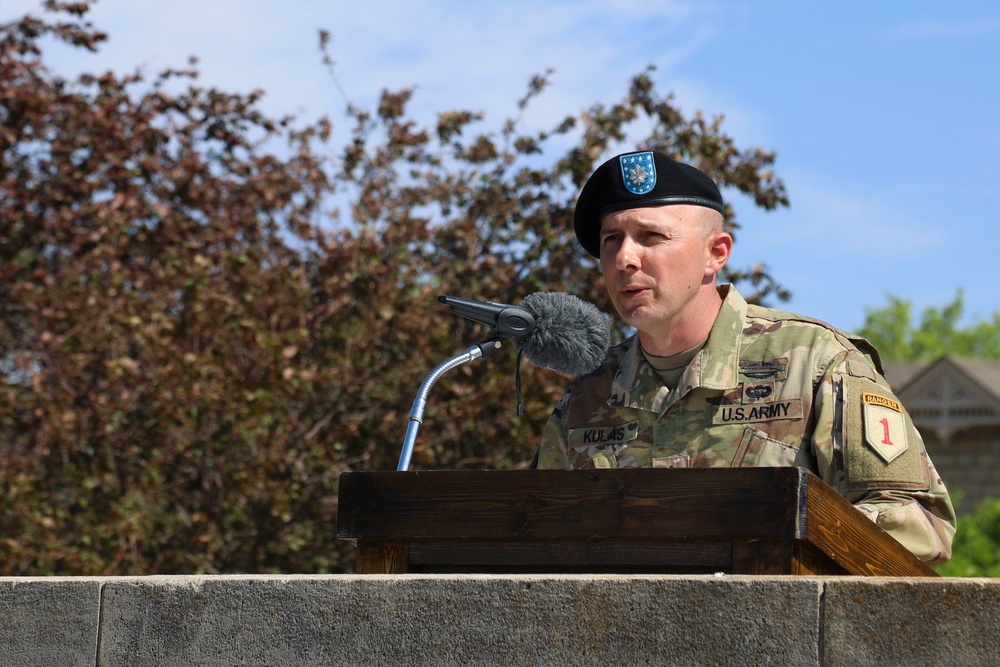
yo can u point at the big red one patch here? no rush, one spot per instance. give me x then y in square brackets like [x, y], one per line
[885, 426]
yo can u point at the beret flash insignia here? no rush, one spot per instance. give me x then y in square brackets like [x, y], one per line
[638, 172]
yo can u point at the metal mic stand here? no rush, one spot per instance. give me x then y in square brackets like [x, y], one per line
[481, 349]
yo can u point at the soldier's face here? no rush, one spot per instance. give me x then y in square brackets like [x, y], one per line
[657, 263]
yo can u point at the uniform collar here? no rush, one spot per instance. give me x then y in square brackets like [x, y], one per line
[716, 366]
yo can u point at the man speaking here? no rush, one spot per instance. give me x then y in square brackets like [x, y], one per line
[709, 380]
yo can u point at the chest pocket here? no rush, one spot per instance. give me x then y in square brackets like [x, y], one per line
[609, 446]
[758, 450]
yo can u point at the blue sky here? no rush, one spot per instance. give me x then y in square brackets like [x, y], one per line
[885, 115]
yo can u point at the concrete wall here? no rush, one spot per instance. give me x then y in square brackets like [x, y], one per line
[498, 620]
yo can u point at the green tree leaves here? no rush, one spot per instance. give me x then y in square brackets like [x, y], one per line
[898, 337]
[976, 550]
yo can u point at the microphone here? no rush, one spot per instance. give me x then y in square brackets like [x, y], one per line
[553, 330]
[571, 336]
[509, 321]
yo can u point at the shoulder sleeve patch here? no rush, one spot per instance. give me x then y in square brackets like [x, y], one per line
[884, 426]
[881, 445]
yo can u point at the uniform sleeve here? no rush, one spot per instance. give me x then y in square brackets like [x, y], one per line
[868, 449]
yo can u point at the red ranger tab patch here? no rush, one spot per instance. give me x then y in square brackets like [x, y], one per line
[885, 426]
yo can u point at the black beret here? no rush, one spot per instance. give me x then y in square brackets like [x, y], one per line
[635, 180]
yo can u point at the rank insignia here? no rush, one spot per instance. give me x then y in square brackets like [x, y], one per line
[885, 426]
[638, 172]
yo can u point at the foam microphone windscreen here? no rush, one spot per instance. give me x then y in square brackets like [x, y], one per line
[572, 336]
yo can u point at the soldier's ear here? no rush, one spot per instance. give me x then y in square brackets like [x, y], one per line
[720, 247]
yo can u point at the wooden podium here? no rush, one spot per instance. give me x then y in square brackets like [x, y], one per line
[669, 521]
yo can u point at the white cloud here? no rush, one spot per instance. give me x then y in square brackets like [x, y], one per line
[467, 55]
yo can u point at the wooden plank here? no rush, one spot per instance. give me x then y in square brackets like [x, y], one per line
[378, 557]
[571, 556]
[810, 561]
[853, 541]
[782, 557]
[720, 503]
[762, 557]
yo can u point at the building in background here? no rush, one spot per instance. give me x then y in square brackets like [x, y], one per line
[955, 403]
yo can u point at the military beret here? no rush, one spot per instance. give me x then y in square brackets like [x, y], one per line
[635, 180]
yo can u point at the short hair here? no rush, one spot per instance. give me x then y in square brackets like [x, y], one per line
[712, 221]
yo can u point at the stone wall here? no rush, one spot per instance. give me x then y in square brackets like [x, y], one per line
[467, 620]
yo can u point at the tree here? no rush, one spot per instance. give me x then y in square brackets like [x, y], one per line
[976, 551]
[195, 344]
[898, 338]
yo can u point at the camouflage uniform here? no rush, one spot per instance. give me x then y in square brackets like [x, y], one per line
[769, 388]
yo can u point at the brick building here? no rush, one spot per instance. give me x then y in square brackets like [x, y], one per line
[955, 403]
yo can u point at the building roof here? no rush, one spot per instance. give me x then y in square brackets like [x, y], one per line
[950, 394]
[984, 372]
[900, 373]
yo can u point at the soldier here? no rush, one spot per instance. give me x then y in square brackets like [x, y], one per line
[709, 380]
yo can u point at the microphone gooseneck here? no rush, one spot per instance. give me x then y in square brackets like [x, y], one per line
[553, 330]
[477, 351]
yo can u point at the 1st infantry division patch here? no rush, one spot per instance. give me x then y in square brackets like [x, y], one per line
[885, 426]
